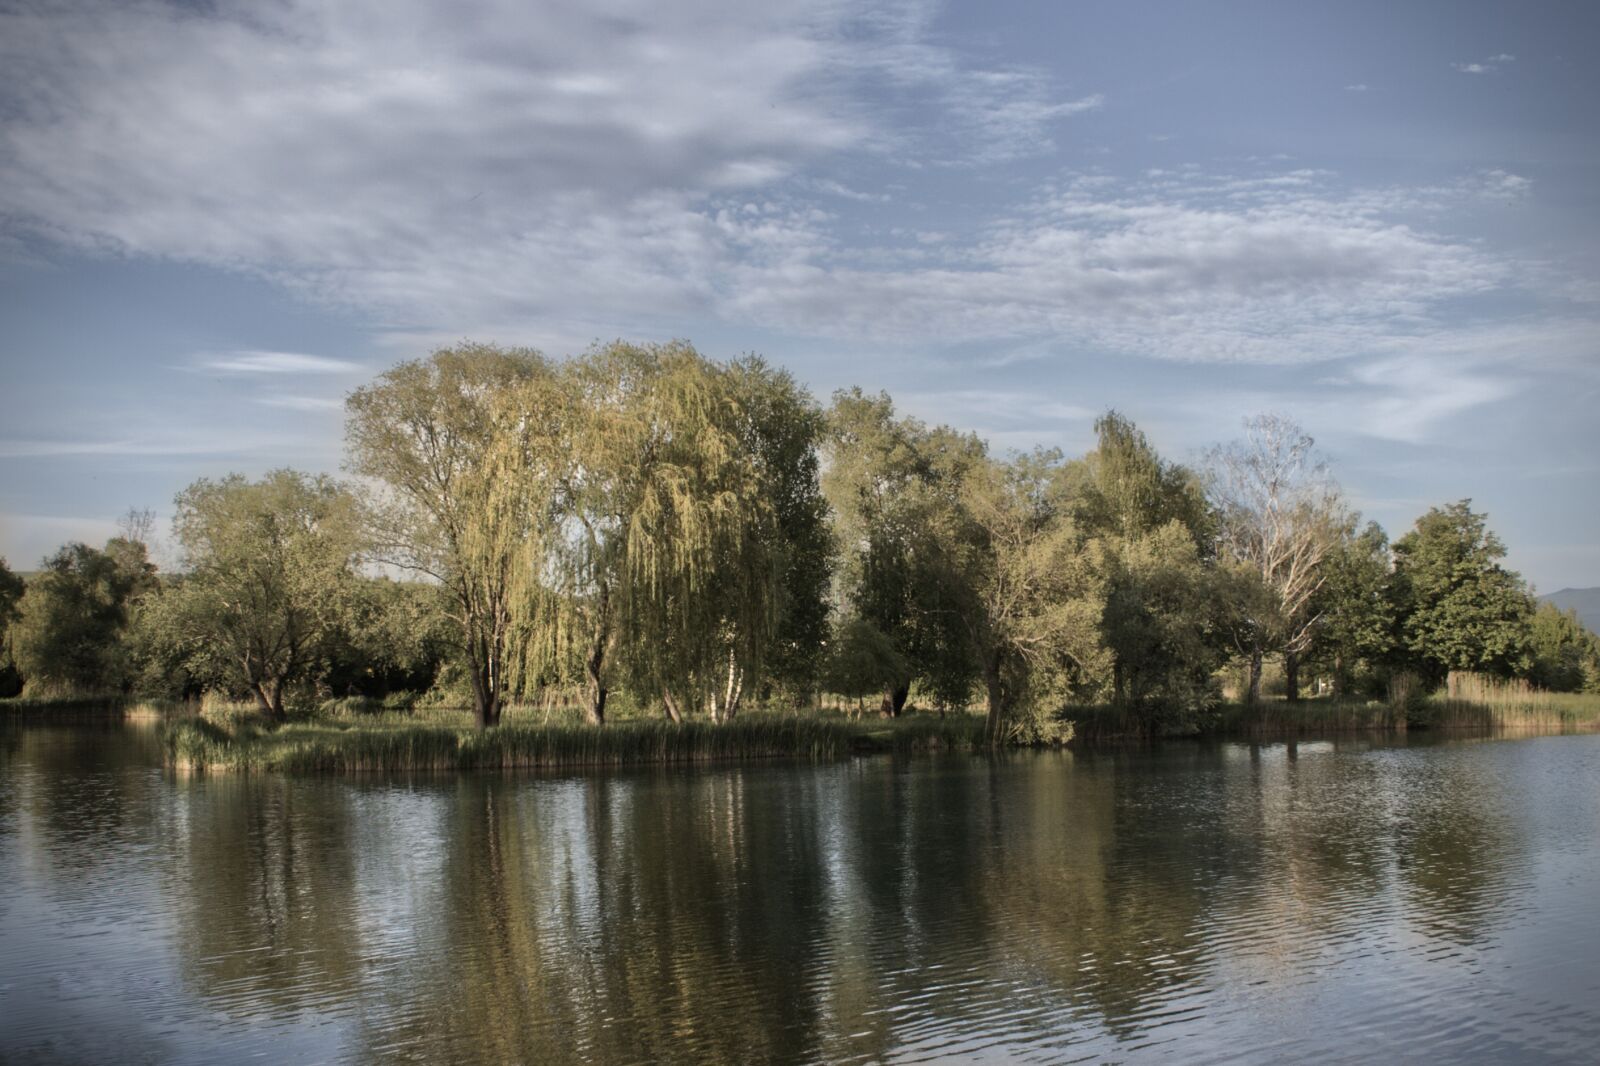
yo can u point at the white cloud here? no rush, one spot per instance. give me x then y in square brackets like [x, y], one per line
[257, 362]
[564, 172]
[1359, 87]
[443, 166]
[1486, 66]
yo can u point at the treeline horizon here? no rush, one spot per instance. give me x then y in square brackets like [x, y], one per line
[641, 522]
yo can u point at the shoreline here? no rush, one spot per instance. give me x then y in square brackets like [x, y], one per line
[438, 740]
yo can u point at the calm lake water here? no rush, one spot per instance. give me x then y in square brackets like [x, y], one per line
[1354, 901]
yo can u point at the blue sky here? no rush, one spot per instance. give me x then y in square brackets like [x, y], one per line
[1382, 220]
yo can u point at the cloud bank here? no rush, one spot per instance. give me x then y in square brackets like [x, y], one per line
[570, 170]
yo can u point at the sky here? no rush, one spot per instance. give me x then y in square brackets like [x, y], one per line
[1381, 220]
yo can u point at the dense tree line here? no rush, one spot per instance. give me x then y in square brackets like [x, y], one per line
[692, 534]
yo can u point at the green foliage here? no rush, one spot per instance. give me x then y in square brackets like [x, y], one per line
[74, 618]
[862, 661]
[438, 435]
[1456, 607]
[395, 637]
[894, 487]
[11, 589]
[1124, 490]
[1035, 598]
[1158, 625]
[1355, 627]
[1565, 655]
[1148, 527]
[268, 586]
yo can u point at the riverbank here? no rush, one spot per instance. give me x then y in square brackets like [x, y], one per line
[390, 743]
[344, 738]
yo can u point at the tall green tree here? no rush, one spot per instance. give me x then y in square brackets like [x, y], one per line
[1565, 655]
[1355, 619]
[1456, 607]
[1036, 600]
[429, 432]
[1149, 526]
[894, 486]
[783, 429]
[268, 584]
[74, 618]
[703, 563]
[12, 587]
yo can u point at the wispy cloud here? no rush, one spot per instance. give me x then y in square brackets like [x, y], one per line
[211, 444]
[1359, 87]
[257, 362]
[302, 403]
[1485, 66]
[1278, 267]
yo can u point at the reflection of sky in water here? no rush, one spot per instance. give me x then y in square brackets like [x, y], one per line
[1342, 901]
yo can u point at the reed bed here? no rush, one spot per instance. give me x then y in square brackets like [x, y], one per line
[1475, 701]
[388, 743]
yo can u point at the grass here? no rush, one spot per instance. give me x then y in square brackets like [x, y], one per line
[364, 735]
[1473, 701]
[445, 740]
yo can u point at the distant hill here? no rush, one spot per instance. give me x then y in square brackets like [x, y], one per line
[1585, 601]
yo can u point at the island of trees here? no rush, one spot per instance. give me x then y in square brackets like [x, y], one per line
[645, 531]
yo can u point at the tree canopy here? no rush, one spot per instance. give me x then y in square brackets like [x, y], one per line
[268, 582]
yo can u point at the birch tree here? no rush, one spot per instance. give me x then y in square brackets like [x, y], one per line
[1279, 516]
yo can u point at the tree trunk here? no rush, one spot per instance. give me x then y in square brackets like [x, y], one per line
[672, 707]
[485, 701]
[894, 701]
[994, 727]
[595, 712]
[1339, 683]
[268, 701]
[485, 693]
[1252, 696]
[1291, 676]
[735, 689]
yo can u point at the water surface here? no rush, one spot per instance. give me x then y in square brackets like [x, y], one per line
[1338, 902]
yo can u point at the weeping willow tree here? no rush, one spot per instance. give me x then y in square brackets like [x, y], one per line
[433, 433]
[701, 570]
[635, 515]
[635, 492]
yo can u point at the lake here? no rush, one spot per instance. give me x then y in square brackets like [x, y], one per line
[1347, 901]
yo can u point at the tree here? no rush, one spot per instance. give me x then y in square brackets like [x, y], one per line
[894, 487]
[783, 429]
[1147, 523]
[863, 661]
[74, 617]
[1279, 512]
[1456, 607]
[1035, 600]
[268, 581]
[427, 431]
[11, 589]
[1124, 489]
[1565, 655]
[702, 565]
[1356, 619]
